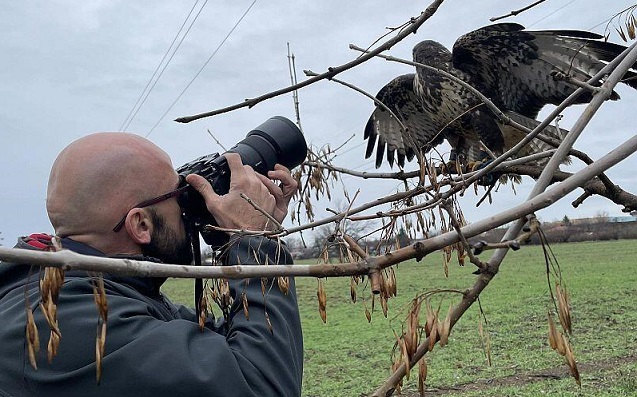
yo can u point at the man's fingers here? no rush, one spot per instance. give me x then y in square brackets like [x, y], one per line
[204, 188]
[272, 187]
[235, 165]
[288, 183]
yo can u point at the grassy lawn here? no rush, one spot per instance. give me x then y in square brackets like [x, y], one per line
[350, 357]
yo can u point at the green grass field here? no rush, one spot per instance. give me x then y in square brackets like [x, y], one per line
[350, 357]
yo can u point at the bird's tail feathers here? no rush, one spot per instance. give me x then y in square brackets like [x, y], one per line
[512, 136]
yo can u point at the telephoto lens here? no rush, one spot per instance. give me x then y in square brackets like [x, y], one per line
[276, 141]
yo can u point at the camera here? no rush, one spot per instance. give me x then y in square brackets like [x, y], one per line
[277, 140]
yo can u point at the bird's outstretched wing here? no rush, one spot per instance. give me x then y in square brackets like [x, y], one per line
[514, 67]
[398, 95]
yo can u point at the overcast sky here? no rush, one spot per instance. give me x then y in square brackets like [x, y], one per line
[72, 68]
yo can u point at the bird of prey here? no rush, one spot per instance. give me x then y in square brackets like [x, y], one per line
[511, 66]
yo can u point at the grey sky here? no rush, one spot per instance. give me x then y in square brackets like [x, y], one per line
[71, 68]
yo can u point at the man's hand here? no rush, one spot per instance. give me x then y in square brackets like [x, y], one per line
[231, 211]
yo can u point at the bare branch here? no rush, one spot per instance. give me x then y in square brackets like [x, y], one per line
[68, 260]
[331, 72]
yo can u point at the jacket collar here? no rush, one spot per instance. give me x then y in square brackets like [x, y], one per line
[146, 285]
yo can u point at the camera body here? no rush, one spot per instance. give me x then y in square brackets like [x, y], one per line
[277, 140]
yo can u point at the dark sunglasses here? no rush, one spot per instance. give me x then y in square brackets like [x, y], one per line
[147, 203]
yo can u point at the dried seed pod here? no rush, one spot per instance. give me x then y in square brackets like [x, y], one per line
[405, 356]
[373, 302]
[564, 311]
[352, 289]
[33, 338]
[433, 336]
[562, 344]
[572, 364]
[52, 347]
[368, 314]
[445, 262]
[100, 342]
[422, 376]
[553, 334]
[383, 305]
[203, 308]
[430, 317]
[244, 302]
[284, 284]
[322, 300]
[486, 341]
[446, 327]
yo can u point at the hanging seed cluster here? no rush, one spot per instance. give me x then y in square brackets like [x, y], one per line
[218, 292]
[50, 285]
[407, 343]
[625, 24]
[314, 181]
[558, 340]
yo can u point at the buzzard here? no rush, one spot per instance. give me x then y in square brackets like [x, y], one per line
[511, 66]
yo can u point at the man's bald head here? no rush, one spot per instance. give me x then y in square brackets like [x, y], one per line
[97, 178]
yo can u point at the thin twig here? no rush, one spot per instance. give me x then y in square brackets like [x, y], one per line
[446, 205]
[254, 205]
[516, 12]
[360, 90]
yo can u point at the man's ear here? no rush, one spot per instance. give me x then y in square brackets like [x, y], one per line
[139, 225]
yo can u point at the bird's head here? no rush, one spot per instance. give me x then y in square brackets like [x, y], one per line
[432, 53]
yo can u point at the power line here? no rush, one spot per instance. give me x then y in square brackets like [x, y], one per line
[551, 13]
[140, 102]
[201, 69]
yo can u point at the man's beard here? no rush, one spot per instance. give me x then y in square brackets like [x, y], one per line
[165, 245]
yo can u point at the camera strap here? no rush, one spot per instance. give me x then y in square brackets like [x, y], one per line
[193, 235]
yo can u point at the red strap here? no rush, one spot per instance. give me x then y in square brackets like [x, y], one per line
[39, 240]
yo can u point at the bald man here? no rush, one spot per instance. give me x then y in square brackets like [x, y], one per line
[96, 199]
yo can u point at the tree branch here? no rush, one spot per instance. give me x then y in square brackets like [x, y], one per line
[331, 72]
[72, 261]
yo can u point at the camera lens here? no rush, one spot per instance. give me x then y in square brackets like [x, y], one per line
[277, 140]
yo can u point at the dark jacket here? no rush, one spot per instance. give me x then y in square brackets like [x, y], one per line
[153, 347]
